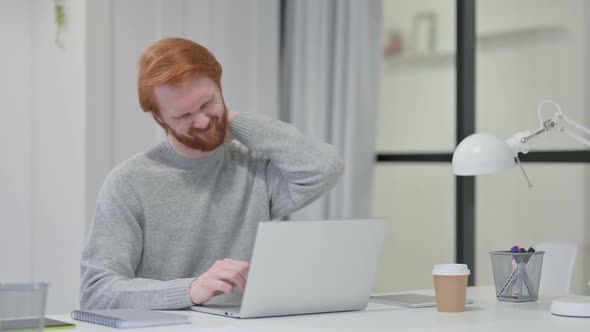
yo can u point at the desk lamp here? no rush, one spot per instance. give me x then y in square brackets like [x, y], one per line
[483, 153]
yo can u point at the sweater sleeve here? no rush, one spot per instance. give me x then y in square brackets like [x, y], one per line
[113, 252]
[300, 168]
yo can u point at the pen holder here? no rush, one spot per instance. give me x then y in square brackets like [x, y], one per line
[517, 275]
[22, 306]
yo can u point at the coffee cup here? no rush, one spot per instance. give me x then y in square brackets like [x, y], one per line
[450, 286]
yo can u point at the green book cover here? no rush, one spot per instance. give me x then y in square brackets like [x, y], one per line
[52, 324]
[25, 325]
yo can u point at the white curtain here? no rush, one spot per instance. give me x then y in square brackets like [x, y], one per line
[330, 86]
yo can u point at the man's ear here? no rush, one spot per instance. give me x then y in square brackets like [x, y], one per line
[159, 121]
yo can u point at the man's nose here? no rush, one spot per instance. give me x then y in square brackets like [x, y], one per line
[201, 121]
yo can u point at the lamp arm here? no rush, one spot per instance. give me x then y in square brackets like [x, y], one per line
[519, 141]
[546, 126]
[560, 117]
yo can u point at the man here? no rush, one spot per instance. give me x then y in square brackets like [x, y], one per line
[175, 226]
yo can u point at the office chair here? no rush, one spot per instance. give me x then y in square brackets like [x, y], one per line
[558, 267]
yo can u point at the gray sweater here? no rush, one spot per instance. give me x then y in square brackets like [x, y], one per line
[162, 220]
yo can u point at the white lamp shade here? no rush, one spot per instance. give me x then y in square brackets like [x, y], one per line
[482, 154]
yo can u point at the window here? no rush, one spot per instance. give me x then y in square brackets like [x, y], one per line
[451, 68]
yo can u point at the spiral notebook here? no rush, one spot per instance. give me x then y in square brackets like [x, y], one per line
[129, 318]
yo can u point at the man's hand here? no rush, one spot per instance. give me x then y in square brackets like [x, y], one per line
[229, 136]
[221, 278]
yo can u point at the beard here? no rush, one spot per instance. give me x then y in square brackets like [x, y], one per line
[205, 139]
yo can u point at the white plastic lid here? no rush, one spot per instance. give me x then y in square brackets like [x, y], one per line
[571, 306]
[450, 270]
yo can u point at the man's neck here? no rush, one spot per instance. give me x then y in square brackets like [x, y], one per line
[187, 152]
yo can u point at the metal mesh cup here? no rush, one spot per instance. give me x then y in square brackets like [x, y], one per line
[22, 306]
[517, 275]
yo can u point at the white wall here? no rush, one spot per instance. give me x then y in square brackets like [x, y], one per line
[58, 152]
[16, 170]
[71, 114]
[43, 134]
[99, 105]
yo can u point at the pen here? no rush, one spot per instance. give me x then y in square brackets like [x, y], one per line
[518, 275]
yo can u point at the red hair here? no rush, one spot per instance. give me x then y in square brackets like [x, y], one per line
[173, 61]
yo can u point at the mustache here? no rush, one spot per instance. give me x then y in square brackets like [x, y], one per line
[205, 139]
[213, 122]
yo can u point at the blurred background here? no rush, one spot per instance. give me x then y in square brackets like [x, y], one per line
[378, 79]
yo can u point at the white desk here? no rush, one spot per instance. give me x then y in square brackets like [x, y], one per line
[485, 314]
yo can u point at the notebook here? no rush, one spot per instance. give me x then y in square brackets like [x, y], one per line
[410, 300]
[127, 318]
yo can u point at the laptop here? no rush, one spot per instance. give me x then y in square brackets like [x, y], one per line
[305, 267]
